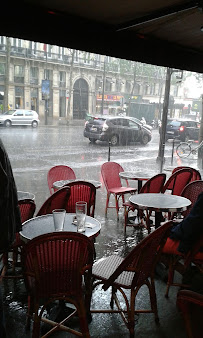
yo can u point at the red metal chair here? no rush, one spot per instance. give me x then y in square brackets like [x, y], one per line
[153, 185]
[57, 173]
[190, 304]
[59, 200]
[110, 174]
[178, 180]
[131, 273]
[82, 191]
[27, 209]
[179, 261]
[54, 267]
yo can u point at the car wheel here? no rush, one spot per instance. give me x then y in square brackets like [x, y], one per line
[145, 139]
[92, 140]
[34, 124]
[114, 140]
[7, 123]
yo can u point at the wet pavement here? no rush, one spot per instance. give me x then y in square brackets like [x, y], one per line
[32, 154]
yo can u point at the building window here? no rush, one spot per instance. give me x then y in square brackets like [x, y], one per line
[61, 52]
[87, 58]
[98, 83]
[108, 85]
[34, 75]
[47, 74]
[19, 74]
[118, 85]
[62, 79]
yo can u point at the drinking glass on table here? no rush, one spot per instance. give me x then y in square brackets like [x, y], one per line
[81, 211]
[59, 218]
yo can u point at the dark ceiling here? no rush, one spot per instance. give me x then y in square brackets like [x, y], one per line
[161, 32]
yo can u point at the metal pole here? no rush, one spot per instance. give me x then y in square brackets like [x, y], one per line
[103, 86]
[160, 158]
[109, 153]
[172, 151]
[46, 100]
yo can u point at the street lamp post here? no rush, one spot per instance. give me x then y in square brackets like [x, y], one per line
[103, 86]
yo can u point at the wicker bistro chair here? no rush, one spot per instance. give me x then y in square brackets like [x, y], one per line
[82, 191]
[59, 200]
[57, 173]
[131, 273]
[153, 185]
[195, 175]
[57, 266]
[110, 174]
[27, 209]
[192, 191]
[177, 181]
[190, 304]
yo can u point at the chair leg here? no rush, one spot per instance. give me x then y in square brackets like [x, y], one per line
[153, 300]
[107, 203]
[36, 324]
[117, 205]
[83, 319]
[170, 276]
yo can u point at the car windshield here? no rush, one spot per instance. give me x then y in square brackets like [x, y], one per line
[9, 112]
[174, 123]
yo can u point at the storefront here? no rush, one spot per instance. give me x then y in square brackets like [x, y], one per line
[113, 104]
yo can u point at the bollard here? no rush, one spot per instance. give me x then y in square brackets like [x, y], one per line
[173, 144]
[109, 153]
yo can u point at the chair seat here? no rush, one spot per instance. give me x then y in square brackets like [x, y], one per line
[122, 190]
[104, 268]
[171, 247]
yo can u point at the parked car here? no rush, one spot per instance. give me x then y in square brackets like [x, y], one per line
[117, 130]
[183, 129]
[141, 122]
[19, 117]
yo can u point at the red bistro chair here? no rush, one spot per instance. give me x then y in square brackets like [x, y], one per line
[110, 174]
[179, 261]
[57, 173]
[130, 274]
[27, 209]
[54, 267]
[153, 185]
[192, 191]
[82, 191]
[195, 175]
[59, 200]
[190, 304]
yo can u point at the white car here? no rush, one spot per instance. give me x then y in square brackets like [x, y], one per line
[19, 117]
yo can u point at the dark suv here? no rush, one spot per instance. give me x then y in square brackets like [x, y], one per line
[117, 130]
[183, 129]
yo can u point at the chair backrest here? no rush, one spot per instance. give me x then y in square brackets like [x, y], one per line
[196, 176]
[143, 258]
[57, 262]
[82, 191]
[192, 191]
[59, 200]
[27, 209]
[58, 173]
[154, 184]
[178, 181]
[110, 174]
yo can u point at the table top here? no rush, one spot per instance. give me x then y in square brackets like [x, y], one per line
[24, 194]
[61, 183]
[160, 202]
[135, 175]
[45, 224]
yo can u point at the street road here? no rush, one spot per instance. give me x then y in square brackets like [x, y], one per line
[33, 152]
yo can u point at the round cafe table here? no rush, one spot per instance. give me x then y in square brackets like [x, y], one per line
[25, 194]
[61, 183]
[45, 224]
[159, 203]
[135, 176]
